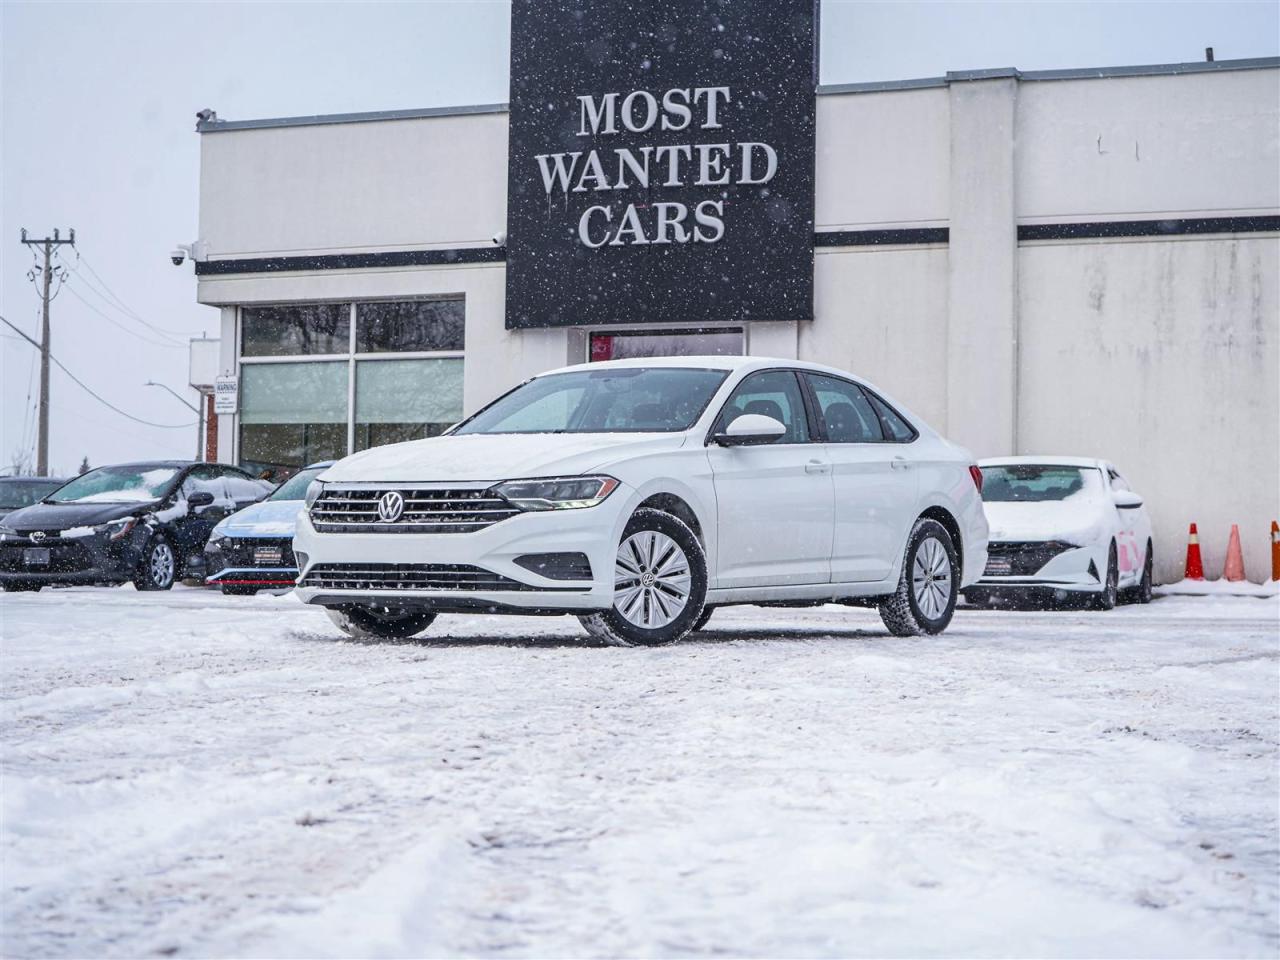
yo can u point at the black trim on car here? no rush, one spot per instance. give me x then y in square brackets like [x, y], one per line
[709, 439]
[868, 393]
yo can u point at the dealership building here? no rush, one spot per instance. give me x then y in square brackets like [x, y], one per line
[1081, 262]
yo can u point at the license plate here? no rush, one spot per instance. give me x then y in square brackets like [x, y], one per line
[999, 567]
[36, 557]
[268, 556]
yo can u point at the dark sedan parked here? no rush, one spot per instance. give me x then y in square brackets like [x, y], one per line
[19, 492]
[144, 523]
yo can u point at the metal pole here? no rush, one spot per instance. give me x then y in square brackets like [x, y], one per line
[42, 444]
[47, 246]
[199, 411]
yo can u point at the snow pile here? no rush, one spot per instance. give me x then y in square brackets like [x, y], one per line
[1219, 588]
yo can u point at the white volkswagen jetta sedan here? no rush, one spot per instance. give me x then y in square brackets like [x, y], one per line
[639, 495]
[1062, 527]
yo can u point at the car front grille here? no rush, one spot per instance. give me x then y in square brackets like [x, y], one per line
[1022, 559]
[407, 576]
[427, 510]
[239, 552]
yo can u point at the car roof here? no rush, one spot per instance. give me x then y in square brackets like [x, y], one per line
[175, 464]
[1044, 461]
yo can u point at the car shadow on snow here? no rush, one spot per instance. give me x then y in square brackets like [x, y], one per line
[710, 636]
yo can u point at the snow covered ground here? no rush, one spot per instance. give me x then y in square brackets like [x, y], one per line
[187, 774]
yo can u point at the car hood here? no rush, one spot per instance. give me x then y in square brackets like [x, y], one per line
[270, 518]
[492, 457]
[1076, 520]
[63, 516]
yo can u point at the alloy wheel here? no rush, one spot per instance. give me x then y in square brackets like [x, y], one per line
[160, 564]
[651, 580]
[931, 578]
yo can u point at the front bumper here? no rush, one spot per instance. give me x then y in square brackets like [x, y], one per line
[468, 571]
[93, 558]
[234, 561]
[1034, 565]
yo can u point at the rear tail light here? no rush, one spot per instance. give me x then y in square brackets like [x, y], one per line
[977, 477]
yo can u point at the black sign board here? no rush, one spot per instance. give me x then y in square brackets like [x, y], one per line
[661, 161]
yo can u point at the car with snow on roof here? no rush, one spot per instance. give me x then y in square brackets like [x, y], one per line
[143, 523]
[252, 549]
[1063, 528]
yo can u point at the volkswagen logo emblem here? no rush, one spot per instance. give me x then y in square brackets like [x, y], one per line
[390, 507]
[37, 536]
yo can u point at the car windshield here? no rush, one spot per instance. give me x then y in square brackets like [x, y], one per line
[295, 488]
[1036, 483]
[117, 484]
[612, 400]
[23, 493]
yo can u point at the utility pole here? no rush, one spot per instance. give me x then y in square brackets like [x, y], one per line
[48, 244]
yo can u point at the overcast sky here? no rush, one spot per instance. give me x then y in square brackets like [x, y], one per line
[97, 111]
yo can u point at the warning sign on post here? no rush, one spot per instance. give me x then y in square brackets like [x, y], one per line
[226, 394]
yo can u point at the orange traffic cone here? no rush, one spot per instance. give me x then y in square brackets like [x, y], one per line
[1234, 569]
[1275, 550]
[1195, 568]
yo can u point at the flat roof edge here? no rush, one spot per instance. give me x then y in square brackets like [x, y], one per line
[1035, 76]
[876, 86]
[322, 119]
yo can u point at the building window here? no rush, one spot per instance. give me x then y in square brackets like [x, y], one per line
[666, 343]
[400, 400]
[357, 375]
[295, 330]
[423, 325]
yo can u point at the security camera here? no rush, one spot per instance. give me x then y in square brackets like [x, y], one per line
[178, 256]
[500, 237]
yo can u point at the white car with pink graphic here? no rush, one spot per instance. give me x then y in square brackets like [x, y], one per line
[1061, 527]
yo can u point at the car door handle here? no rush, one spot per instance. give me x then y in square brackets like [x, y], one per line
[900, 463]
[817, 466]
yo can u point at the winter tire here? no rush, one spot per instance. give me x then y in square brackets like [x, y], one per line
[660, 583]
[1142, 592]
[1107, 597]
[702, 620]
[928, 587]
[158, 566]
[365, 623]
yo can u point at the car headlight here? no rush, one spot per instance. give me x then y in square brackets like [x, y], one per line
[117, 529]
[556, 493]
[217, 536]
[8, 533]
[314, 489]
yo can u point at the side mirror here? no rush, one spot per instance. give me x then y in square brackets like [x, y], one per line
[202, 499]
[1126, 499]
[751, 429]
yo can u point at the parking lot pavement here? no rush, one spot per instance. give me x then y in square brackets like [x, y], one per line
[192, 774]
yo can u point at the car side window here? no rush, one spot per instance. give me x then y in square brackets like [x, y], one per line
[245, 490]
[846, 414]
[896, 428]
[773, 393]
[205, 479]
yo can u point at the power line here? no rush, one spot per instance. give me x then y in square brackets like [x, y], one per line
[89, 390]
[81, 259]
[133, 333]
